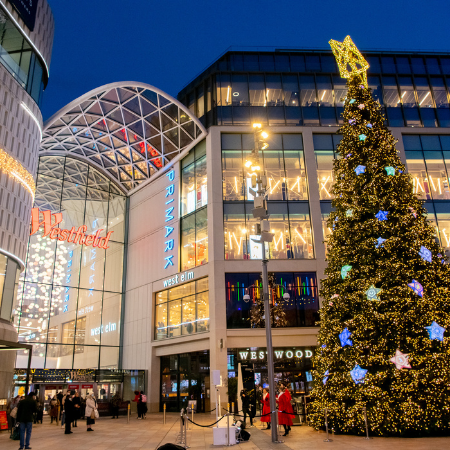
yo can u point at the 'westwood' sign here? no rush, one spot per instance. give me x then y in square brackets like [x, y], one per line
[72, 236]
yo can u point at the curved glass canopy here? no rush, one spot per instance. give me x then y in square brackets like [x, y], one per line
[128, 130]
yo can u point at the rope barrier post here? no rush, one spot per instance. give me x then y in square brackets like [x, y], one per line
[365, 420]
[326, 426]
[181, 426]
[164, 408]
[192, 415]
[185, 431]
[128, 412]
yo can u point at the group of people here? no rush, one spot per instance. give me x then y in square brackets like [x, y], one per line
[285, 410]
[141, 402]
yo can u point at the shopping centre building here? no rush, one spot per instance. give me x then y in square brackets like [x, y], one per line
[26, 39]
[143, 249]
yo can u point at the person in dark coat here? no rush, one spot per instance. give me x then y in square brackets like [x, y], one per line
[59, 397]
[246, 406]
[115, 405]
[25, 411]
[76, 400]
[69, 411]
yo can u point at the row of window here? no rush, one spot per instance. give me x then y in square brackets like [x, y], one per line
[314, 100]
[17, 56]
[182, 310]
[325, 62]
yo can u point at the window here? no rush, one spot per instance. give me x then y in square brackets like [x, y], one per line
[182, 310]
[301, 309]
[72, 308]
[194, 198]
[17, 56]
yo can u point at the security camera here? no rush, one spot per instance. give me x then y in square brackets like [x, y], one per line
[246, 297]
[286, 296]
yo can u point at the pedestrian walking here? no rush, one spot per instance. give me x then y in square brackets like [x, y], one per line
[53, 409]
[246, 407]
[27, 407]
[91, 411]
[265, 416]
[138, 400]
[144, 407]
[76, 400]
[285, 411]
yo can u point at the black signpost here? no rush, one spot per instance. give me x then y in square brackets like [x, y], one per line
[27, 11]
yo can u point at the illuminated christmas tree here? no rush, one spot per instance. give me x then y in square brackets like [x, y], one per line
[383, 340]
[277, 313]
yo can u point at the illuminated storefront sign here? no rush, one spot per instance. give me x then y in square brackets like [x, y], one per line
[260, 354]
[179, 278]
[170, 198]
[103, 329]
[71, 236]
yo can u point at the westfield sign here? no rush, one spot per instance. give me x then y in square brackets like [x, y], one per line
[51, 221]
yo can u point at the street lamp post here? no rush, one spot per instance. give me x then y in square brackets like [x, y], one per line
[263, 230]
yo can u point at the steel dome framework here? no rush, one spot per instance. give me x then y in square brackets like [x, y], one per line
[128, 130]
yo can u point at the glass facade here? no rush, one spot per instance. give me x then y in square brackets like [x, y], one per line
[18, 57]
[305, 89]
[182, 310]
[9, 272]
[193, 210]
[185, 377]
[428, 162]
[287, 197]
[301, 309]
[69, 298]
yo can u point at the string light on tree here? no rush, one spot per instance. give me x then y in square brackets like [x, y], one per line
[379, 247]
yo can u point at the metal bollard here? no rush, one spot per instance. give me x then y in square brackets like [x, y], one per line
[365, 420]
[228, 428]
[192, 415]
[232, 408]
[128, 413]
[185, 431]
[164, 413]
[326, 426]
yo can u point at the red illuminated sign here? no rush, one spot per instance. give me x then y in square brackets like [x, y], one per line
[72, 236]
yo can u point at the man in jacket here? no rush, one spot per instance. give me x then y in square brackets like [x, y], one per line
[69, 412]
[27, 407]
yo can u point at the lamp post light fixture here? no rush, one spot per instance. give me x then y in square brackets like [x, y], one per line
[263, 230]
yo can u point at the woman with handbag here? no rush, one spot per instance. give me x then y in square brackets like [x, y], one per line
[91, 411]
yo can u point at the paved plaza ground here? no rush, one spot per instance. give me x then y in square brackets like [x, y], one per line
[151, 433]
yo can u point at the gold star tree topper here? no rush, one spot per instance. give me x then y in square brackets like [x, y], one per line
[349, 59]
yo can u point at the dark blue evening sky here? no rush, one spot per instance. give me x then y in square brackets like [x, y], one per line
[167, 43]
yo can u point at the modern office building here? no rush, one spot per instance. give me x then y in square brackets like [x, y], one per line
[167, 177]
[26, 39]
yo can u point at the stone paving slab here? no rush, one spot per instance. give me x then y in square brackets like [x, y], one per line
[152, 433]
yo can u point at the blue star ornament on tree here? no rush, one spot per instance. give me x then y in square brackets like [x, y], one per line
[425, 254]
[325, 378]
[373, 293]
[362, 137]
[435, 331]
[358, 374]
[360, 169]
[390, 170]
[416, 287]
[344, 337]
[380, 242]
[344, 271]
[382, 215]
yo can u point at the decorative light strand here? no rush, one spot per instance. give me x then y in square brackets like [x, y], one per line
[14, 169]
[28, 110]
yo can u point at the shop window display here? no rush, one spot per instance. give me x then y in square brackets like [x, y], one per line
[301, 309]
[182, 310]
